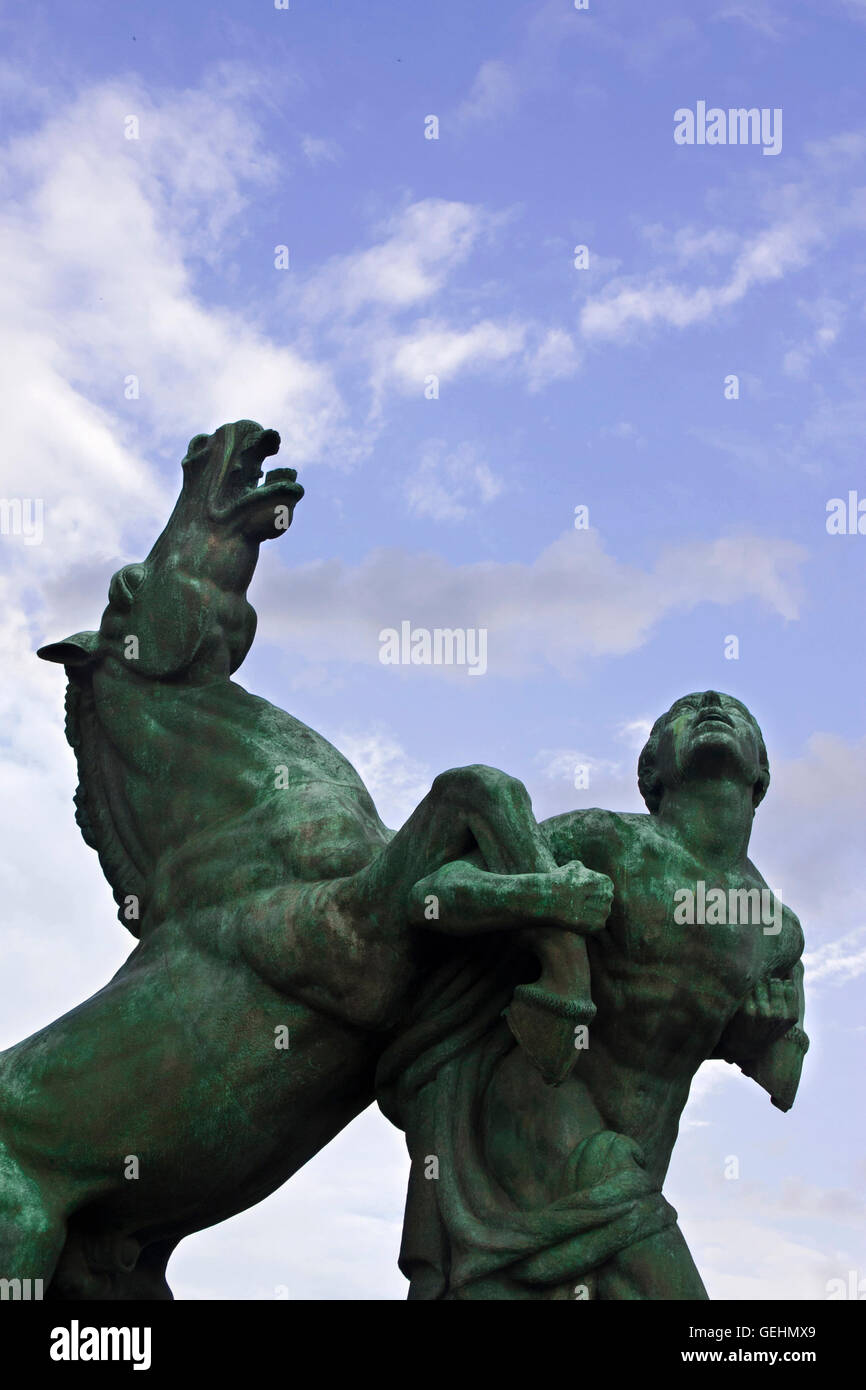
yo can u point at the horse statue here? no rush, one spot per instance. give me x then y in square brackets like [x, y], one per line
[283, 932]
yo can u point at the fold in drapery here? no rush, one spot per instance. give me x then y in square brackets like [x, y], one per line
[463, 1236]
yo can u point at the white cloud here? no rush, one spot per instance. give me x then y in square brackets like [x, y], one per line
[827, 316]
[558, 763]
[690, 244]
[574, 600]
[420, 249]
[320, 150]
[564, 764]
[798, 220]
[625, 431]
[492, 94]
[396, 781]
[837, 962]
[422, 245]
[436, 349]
[555, 357]
[100, 246]
[635, 732]
[708, 1079]
[608, 782]
[447, 484]
[756, 15]
[95, 218]
[782, 247]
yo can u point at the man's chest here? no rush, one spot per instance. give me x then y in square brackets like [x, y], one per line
[709, 930]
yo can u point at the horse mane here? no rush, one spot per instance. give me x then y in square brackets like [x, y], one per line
[93, 802]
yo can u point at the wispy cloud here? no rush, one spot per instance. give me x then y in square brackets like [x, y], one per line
[757, 15]
[574, 600]
[838, 962]
[778, 249]
[396, 781]
[792, 226]
[492, 95]
[827, 316]
[418, 249]
[320, 150]
[448, 483]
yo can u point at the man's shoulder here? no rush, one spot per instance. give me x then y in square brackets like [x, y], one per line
[577, 833]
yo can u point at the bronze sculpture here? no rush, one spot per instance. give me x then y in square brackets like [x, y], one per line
[290, 965]
[555, 1192]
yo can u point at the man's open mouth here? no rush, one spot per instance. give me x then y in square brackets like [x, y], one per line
[716, 716]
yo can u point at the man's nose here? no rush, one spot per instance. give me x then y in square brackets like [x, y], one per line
[711, 697]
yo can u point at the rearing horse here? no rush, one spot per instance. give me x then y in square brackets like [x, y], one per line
[280, 924]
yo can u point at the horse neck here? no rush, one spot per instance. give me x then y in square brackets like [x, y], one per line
[180, 754]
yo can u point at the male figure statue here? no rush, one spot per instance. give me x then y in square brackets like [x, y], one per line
[521, 1189]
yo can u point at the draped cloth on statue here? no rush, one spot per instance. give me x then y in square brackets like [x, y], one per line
[463, 1236]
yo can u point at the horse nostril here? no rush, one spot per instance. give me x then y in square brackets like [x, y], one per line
[124, 583]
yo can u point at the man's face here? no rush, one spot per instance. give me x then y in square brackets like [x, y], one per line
[708, 734]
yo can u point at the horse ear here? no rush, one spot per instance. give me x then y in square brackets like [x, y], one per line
[78, 650]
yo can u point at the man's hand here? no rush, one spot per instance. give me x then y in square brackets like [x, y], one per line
[764, 1015]
[589, 895]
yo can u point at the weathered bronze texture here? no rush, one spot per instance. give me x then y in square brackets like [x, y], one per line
[520, 998]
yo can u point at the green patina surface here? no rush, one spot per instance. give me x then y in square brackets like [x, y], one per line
[534, 1031]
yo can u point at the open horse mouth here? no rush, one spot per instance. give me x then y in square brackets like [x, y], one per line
[250, 500]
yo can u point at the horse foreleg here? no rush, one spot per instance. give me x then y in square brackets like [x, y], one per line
[461, 899]
[345, 945]
[517, 886]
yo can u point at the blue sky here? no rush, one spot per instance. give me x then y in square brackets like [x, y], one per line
[154, 257]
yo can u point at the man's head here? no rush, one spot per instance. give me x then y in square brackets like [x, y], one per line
[705, 734]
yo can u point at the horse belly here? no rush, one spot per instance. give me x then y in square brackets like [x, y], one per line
[184, 1091]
